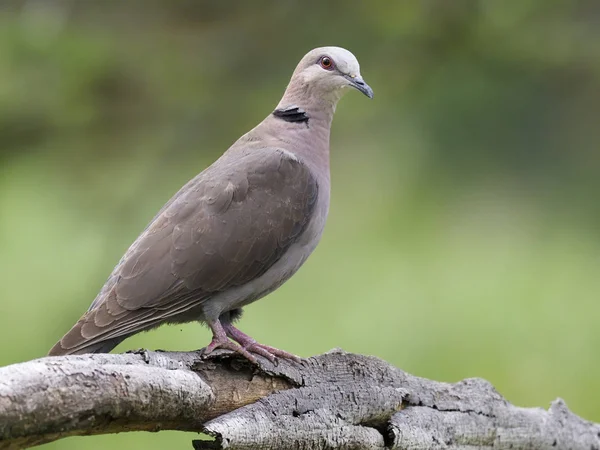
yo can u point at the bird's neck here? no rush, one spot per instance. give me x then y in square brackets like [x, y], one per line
[307, 130]
[299, 125]
[315, 104]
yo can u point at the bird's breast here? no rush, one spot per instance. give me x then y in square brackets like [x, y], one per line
[282, 270]
[299, 251]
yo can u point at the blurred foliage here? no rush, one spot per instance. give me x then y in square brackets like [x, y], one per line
[463, 236]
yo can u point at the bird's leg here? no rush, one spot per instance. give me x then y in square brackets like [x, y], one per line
[220, 340]
[252, 346]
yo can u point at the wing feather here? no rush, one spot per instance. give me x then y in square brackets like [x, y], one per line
[226, 227]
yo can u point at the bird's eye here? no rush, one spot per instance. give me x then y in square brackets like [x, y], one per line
[326, 63]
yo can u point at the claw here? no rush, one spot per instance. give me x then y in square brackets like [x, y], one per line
[248, 343]
[227, 345]
[274, 352]
[244, 344]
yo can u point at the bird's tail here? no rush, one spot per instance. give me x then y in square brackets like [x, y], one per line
[73, 343]
[97, 347]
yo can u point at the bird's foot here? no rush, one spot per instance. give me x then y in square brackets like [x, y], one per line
[271, 353]
[250, 344]
[226, 344]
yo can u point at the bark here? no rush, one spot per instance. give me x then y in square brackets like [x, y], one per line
[332, 401]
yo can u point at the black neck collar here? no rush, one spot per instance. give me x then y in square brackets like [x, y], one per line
[291, 114]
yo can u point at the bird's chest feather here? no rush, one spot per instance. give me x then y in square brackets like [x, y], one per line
[281, 271]
[298, 252]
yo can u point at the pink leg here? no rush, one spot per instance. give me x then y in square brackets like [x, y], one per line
[252, 346]
[220, 340]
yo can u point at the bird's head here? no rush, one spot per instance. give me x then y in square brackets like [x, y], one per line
[326, 72]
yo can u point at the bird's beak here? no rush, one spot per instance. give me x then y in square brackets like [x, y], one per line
[357, 82]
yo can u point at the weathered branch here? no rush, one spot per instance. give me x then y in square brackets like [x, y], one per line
[336, 400]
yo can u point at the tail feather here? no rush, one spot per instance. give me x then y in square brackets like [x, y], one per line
[100, 329]
[74, 343]
[97, 347]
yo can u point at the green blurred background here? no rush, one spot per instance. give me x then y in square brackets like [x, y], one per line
[463, 238]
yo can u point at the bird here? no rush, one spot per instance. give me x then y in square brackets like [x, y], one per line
[235, 232]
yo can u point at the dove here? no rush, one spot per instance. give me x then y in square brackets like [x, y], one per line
[235, 232]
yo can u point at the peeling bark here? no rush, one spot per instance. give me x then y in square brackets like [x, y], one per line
[332, 401]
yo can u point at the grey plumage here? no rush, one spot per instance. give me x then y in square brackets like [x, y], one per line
[236, 231]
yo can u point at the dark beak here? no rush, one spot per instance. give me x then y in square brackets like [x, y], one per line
[358, 83]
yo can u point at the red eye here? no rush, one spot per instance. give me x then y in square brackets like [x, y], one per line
[326, 63]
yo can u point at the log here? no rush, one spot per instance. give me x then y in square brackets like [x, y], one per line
[337, 400]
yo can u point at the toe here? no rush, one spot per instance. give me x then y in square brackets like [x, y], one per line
[278, 353]
[256, 348]
[228, 345]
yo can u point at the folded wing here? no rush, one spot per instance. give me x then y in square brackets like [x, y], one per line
[225, 228]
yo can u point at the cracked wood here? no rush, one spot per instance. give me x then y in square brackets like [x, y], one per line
[335, 400]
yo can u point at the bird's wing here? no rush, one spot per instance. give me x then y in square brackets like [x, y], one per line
[225, 228]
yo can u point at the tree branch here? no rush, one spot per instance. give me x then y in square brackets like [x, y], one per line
[335, 400]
